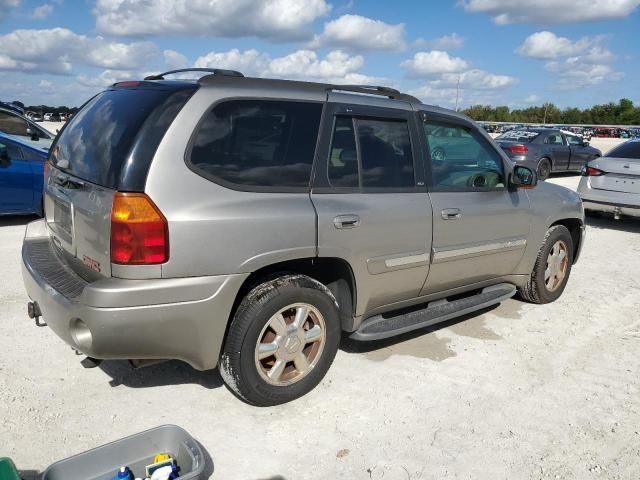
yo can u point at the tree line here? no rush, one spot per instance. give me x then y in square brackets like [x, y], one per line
[622, 113]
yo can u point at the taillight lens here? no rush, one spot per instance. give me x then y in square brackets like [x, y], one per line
[519, 149]
[588, 171]
[139, 232]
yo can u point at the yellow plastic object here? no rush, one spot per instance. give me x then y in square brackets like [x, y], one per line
[161, 457]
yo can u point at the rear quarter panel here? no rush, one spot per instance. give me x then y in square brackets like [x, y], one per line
[214, 230]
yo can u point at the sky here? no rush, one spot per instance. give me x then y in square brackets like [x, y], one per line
[499, 52]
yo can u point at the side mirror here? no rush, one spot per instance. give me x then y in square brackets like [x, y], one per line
[523, 177]
[33, 134]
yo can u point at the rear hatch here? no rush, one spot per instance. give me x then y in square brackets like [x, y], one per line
[620, 167]
[621, 175]
[107, 146]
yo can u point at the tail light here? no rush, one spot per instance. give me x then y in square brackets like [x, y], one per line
[139, 231]
[588, 171]
[519, 149]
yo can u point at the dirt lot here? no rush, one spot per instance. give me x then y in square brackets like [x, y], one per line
[518, 391]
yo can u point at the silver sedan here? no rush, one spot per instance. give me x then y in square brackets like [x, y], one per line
[612, 183]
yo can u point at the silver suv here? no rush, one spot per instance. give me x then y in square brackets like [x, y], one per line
[247, 223]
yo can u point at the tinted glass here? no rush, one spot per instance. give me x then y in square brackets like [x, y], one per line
[461, 159]
[522, 136]
[385, 154]
[573, 140]
[96, 143]
[554, 139]
[343, 160]
[626, 150]
[258, 143]
[12, 151]
[13, 124]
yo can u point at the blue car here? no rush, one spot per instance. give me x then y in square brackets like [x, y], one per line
[21, 176]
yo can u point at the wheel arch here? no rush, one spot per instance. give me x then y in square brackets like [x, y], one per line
[574, 225]
[333, 272]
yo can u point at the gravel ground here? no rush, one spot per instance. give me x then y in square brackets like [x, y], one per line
[518, 391]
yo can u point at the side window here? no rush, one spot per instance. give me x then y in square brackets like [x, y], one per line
[13, 125]
[573, 140]
[258, 143]
[462, 160]
[385, 154]
[11, 151]
[554, 139]
[381, 159]
[343, 159]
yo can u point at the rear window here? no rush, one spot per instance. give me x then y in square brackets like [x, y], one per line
[521, 136]
[626, 150]
[257, 144]
[97, 142]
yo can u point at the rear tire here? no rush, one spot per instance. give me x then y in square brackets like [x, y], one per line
[544, 168]
[282, 340]
[551, 270]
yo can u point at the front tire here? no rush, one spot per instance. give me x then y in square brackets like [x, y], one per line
[282, 340]
[552, 268]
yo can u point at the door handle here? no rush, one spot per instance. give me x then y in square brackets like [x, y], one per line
[346, 221]
[451, 214]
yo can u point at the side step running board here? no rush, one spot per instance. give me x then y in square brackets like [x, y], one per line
[389, 325]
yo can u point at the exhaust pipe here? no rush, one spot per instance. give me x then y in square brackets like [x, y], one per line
[616, 213]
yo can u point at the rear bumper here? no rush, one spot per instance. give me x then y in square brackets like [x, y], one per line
[628, 210]
[175, 318]
[608, 201]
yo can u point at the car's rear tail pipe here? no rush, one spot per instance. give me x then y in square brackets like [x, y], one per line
[616, 213]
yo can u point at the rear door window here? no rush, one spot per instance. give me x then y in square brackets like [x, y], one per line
[371, 154]
[256, 144]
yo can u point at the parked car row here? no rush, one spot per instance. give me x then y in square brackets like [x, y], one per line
[48, 117]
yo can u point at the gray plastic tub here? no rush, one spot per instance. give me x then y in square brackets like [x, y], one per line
[136, 452]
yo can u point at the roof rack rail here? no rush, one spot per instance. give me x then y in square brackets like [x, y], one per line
[214, 71]
[388, 92]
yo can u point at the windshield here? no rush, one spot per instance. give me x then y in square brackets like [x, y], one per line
[626, 150]
[518, 136]
[96, 143]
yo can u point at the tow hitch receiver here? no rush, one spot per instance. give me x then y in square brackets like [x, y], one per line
[33, 310]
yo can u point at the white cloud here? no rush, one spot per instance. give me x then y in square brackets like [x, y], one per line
[547, 45]
[577, 64]
[533, 98]
[506, 12]
[336, 67]
[271, 19]
[446, 42]
[470, 87]
[56, 50]
[358, 33]
[435, 62]
[105, 79]
[474, 79]
[175, 60]
[43, 11]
